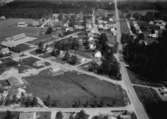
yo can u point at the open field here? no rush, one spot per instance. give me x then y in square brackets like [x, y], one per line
[9, 28]
[154, 106]
[73, 87]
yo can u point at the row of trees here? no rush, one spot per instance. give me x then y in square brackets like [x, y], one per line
[94, 102]
[149, 16]
[80, 115]
[68, 44]
[59, 115]
[24, 101]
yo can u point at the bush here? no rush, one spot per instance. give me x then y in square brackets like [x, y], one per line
[81, 115]
[59, 115]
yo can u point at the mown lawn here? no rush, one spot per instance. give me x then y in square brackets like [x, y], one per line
[72, 87]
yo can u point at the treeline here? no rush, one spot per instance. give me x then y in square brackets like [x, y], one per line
[31, 9]
[138, 5]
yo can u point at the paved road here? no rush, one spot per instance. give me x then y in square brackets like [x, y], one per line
[33, 109]
[71, 68]
[139, 109]
[67, 36]
[90, 111]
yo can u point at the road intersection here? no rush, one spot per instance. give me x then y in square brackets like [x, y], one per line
[138, 106]
[134, 105]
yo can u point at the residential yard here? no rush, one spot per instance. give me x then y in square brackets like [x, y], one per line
[71, 87]
[43, 115]
[154, 106]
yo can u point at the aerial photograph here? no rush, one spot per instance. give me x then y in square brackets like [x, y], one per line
[83, 59]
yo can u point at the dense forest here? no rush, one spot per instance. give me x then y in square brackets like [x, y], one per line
[31, 9]
[148, 61]
[138, 5]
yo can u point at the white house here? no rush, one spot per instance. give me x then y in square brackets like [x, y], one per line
[92, 46]
[22, 24]
[4, 51]
[98, 55]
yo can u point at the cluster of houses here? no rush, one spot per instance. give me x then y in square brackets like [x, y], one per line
[161, 26]
[154, 30]
[97, 26]
[64, 21]
[7, 90]
[13, 90]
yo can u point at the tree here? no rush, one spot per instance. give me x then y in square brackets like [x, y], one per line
[71, 116]
[48, 101]
[93, 66]
[101, 43]
[49, 30]
[66, 56]
[8, 115]
[137, 16]
[81, 115]
[72, 60]
[34, 101]
[110, 67]
[59, 115]
[55, 52]
[41, 47]
[75, 44]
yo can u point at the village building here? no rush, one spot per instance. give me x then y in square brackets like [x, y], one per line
[15, 40]
[22, 24]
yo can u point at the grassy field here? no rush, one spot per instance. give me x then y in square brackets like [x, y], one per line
[154, 106]
[9, 28]
[71, 87]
